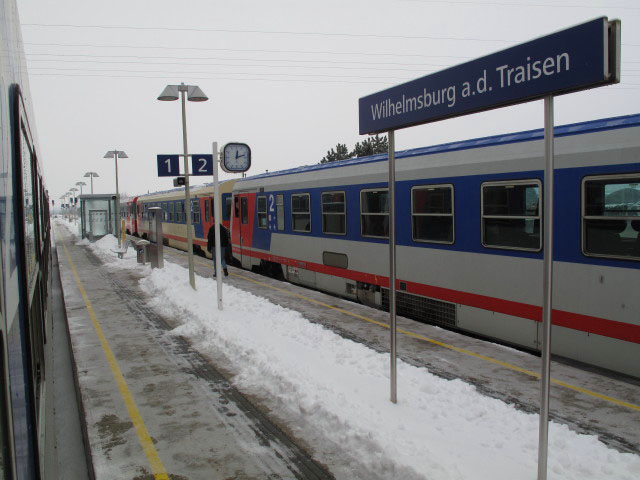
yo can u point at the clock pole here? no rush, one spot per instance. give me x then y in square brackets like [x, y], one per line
[217, 212]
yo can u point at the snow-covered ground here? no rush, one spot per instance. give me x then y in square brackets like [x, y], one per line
[440, 429]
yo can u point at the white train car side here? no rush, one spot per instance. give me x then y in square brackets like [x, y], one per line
[469, 236]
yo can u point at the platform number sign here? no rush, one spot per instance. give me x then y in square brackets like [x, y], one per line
[202, 164]
[168, 165]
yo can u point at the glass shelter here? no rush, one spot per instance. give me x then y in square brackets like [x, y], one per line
[97, 215]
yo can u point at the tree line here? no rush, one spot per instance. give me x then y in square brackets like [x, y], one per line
[369, 146]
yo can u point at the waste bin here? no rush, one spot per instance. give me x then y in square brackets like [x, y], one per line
[141, 248]
[155, 255]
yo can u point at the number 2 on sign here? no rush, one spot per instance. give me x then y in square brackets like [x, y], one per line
[203, 165]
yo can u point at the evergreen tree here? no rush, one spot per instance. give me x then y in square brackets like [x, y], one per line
[340, 153]
[371, 146]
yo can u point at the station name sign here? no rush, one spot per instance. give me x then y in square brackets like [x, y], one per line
[580, 57]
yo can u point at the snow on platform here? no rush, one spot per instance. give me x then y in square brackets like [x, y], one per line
[200, 426]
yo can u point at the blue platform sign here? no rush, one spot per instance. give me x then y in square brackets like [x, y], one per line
[577, 58]
[168, 165]
[202, 164]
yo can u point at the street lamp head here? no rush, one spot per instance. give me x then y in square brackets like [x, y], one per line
[74, 189]
[81, 183]
[169, 94]
[91, 174]
[194, 94]
[113, 153]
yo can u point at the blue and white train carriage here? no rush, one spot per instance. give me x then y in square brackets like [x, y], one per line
[469, 236]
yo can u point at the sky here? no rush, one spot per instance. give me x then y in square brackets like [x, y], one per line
[283, 76]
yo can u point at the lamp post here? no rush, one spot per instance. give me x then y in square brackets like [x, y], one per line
[68, 196]
[80, 184]
[73, 191]
[115, 154]
[91, 174]
[194, 94]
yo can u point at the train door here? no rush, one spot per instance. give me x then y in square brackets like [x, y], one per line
[242, 232]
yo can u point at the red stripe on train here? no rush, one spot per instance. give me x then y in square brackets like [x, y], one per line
[575, 321]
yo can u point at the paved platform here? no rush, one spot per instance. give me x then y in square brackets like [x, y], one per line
[587, 400]
[153, 408]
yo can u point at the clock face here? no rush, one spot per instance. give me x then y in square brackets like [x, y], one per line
[236, 157]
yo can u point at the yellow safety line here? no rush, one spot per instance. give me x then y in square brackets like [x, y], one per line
[445, 345]
[159, 472]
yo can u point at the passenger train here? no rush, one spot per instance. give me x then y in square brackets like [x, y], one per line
[25, 261]
[135, 213]
[469, 236]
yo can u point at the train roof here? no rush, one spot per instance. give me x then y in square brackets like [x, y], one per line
[194, 190]
[503, 139]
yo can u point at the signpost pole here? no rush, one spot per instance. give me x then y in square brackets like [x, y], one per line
[547, 285]
[392, 264]
[117, 206]
[217, 211]
[187, 196]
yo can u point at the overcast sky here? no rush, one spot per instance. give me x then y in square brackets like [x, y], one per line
[283, 76]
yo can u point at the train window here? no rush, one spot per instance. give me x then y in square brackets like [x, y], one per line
[195, 210]
[374, 213]
[244, 210]
[180, 216]
[262, 211]
[432, 213]
[207, 210]
[334, 213]
[170, 209]
[301, 212]
[28, 206]
[611, 216]
[226, 214]
[280, 212]
[511, 215]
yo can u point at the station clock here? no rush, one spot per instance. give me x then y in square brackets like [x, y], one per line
[236, 158]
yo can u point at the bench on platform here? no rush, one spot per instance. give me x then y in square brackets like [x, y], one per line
[122, 250]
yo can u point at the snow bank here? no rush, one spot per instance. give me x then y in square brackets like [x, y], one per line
[440, 429]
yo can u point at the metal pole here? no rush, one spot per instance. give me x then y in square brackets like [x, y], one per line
[217, 212]
[117, 203]
[91, 184]
[547, 285]
[187, 196]
[392, 265]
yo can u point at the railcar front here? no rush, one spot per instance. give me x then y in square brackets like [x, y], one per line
[469, 236]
